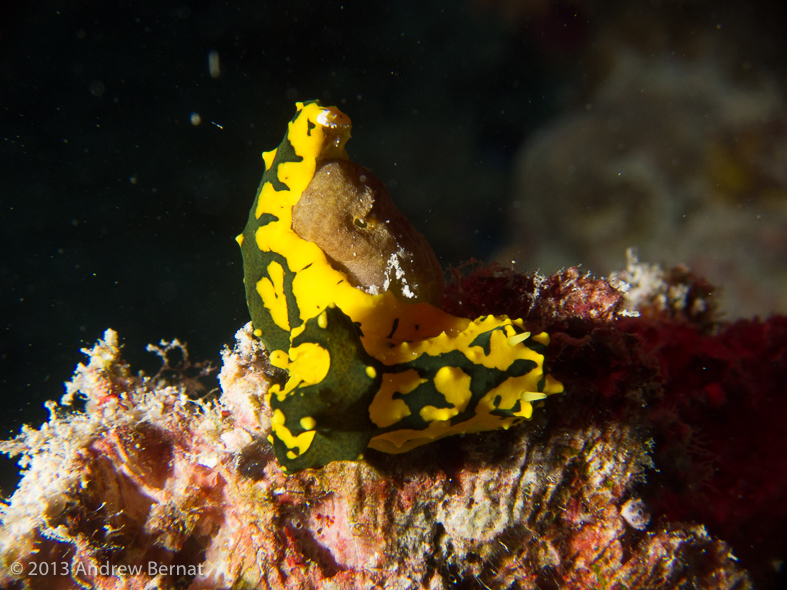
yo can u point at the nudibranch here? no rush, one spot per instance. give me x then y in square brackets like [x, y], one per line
[344, 293]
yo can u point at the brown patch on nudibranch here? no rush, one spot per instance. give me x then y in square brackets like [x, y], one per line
[348, 213]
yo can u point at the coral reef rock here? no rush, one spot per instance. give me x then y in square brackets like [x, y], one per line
[146, 486]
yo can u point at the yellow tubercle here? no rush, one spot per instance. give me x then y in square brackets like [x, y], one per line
[433, 414]
[454, 384]
[296, 445]
[278, 358]
[384, 410]
[271, 290]
[309, 364]
[268, 157]
[518, 339]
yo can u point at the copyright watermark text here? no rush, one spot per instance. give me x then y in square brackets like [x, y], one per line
[67, 568]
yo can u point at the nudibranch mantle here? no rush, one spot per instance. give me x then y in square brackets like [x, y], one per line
[372, 362]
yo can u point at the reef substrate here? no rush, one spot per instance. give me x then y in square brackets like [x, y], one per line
[656, 468]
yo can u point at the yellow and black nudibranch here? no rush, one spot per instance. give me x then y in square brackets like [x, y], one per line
[344, 294]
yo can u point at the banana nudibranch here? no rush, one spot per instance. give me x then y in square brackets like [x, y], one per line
[344, 294]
